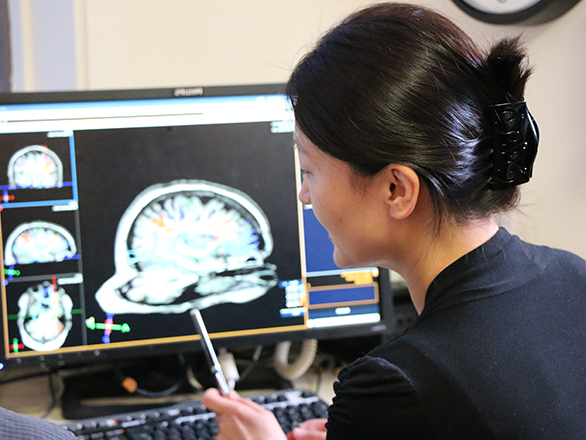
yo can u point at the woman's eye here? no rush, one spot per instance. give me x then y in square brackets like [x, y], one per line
[303, 174]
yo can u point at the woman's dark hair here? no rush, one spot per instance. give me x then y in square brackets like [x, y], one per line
[397, 83]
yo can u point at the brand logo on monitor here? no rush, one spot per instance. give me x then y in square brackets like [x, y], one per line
[189, 91]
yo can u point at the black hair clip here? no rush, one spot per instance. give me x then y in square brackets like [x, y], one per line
[514, 146]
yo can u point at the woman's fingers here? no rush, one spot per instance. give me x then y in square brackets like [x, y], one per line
[314, 424]
[314, 429]
[242, 419]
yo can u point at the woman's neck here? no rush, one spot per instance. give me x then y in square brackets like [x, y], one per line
[434, 253]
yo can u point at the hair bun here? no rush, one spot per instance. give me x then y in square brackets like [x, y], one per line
[506, 63]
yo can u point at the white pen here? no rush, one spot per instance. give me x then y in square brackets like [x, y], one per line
[209, 352]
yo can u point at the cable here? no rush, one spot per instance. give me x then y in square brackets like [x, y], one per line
[25, 377]
[131, 385]
[54, 397]
[192, 380]
[62, 373]
[318, 380]
[253, 361]
[296, 369]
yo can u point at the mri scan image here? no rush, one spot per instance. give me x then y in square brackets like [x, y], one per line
[44, 316]
[36, 167]
[188, 244]
[39, 242]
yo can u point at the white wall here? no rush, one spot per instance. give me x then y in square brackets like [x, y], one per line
[108, 44]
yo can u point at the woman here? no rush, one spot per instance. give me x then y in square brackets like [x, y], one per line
[412, 141]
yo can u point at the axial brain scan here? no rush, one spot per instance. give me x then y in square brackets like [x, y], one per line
[35, 166]
[189, 244]
[44, 317]
[39, 242]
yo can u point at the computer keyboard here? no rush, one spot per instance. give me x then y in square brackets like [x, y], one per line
[190, 420]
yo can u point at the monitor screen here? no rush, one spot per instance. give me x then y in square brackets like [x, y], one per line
[120, 211]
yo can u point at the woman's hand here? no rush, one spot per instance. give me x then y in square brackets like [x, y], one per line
[314, 429]
[242, 419]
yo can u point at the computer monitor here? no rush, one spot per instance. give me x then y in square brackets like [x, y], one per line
[122, 210]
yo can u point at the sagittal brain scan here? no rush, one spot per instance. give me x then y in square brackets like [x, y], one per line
[189, 244]
[35, 166]
[39, 242]
[44, 316]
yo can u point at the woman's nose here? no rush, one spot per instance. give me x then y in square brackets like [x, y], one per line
[304, 196]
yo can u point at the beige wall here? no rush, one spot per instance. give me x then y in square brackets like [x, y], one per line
[165, 43]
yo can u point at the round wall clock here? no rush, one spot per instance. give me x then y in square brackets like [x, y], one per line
[515, 11]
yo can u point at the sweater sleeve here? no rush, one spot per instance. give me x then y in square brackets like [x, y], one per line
[19, 427]
[376, 400]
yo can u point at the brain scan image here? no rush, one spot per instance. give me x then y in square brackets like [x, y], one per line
[35, 166]
[44, 317]
[189, 244]
[39, 242]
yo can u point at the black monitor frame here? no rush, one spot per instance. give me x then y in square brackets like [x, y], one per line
[61, 358]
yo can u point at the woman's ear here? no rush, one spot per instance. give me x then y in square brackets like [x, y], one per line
[403, 190]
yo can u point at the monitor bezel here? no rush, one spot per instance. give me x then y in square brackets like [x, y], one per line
[60, 359]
